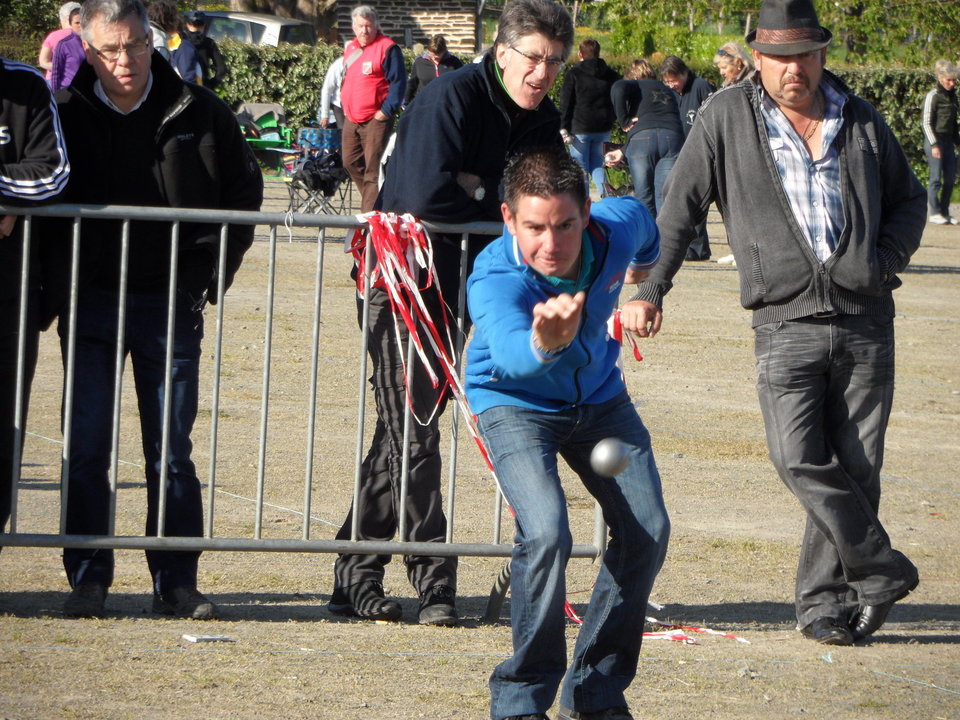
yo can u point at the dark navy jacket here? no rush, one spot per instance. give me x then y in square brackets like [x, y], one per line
[461, 122]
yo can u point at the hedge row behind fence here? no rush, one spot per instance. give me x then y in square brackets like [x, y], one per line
[292, 75]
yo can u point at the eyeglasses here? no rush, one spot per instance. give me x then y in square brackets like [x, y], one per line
[133, 50]
[533, 61]
[723, 53]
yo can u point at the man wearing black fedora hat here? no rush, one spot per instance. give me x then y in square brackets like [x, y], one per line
[822, 213]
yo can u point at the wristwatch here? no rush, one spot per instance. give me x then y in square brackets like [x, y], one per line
[480, 193]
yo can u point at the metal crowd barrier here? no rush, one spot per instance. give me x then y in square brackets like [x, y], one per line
[495, 547]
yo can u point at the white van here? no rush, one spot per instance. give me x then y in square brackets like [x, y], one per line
[258, 28]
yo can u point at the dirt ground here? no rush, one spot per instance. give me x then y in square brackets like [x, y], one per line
[730, 566]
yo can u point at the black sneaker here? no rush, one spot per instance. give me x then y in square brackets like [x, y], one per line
[436, 606]
[364, 600]
[535, 716]
[85, 600]
[185, 602]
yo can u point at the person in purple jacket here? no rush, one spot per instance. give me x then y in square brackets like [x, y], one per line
[68, 56]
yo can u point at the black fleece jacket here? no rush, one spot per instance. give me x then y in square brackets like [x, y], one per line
[461, 122]
[585, 104]
[182, 148]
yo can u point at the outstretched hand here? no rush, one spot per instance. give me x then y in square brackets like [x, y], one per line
[556, 320]
[641, 318]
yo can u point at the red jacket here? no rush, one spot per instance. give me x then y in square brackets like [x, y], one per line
[365, 85]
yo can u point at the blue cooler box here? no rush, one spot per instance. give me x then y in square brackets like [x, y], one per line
[315, 138]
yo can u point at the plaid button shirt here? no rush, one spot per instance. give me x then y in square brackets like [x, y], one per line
[813, 187]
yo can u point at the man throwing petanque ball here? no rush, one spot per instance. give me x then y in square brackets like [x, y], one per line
[542, 377]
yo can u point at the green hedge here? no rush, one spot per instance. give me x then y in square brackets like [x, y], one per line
[292, 75]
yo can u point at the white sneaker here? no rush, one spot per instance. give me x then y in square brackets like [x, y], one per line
[939, 219]
[953, 221]
[727, 260]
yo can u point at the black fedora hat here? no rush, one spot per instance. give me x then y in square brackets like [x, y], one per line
[788, 27]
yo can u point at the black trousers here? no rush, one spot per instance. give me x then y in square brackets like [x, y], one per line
[9, 321]
[381, 471]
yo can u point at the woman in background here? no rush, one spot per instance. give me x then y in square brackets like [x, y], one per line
[648, 113]
[733, 62]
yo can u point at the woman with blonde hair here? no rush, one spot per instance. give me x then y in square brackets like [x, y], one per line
[733, 62]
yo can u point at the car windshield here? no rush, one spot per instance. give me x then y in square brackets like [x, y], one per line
[298, 34]
[227, 29]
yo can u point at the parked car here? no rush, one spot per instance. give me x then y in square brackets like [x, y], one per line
[258, 28]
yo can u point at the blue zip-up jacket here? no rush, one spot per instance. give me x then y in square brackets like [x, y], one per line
[503, 365]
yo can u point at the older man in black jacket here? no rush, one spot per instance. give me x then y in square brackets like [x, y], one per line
[452, 145]
[139, 135]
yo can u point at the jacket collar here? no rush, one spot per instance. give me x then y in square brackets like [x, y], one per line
[174, 94]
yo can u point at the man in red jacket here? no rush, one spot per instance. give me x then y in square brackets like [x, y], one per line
[374, 81]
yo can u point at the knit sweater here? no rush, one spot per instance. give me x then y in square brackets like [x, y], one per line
[727, 160]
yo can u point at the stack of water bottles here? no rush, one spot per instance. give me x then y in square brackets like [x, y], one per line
[317, 138]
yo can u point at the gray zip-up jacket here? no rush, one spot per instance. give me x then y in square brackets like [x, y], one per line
[727, 159]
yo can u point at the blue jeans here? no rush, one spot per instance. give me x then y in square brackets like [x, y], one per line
[826, 388]
[587, 149]
[943, 175]
[651, 155]
[523, 446]
[88, 504]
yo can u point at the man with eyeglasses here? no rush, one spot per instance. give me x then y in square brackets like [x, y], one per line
[452, 145]
[139, 135]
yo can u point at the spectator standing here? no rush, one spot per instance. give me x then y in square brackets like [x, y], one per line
[587, 111]
[648, 112]
[822, 213]
[733, 62]
[68, 55]
[183, 55]
[213, 68]
[139, 135]
[371, 94]
[49, 44]
[691, 91]
[330, 109]
[452, 145]
[544, 379]
[431, 64]
[33, 168]
[941, 135]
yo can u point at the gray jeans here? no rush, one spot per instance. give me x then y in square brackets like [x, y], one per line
[826, 388]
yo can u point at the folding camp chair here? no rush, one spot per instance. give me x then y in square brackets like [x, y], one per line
[317, 182]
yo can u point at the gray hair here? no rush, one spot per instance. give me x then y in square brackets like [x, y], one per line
[111, 11]
[366, 12]
[66, 10]
[521, 18]
[945, 69]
